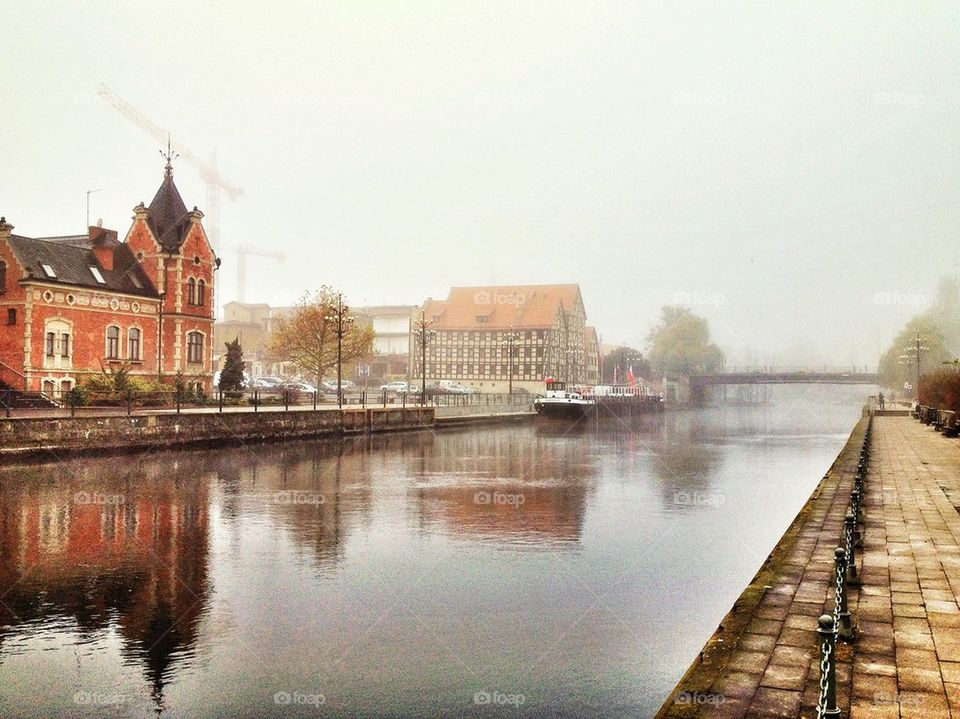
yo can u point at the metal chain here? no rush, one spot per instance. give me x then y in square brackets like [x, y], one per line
[847, 546]
[825, 652]
[838, 572]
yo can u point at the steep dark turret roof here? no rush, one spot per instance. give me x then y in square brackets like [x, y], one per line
[169, 219]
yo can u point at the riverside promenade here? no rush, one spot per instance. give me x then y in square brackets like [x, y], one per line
[763, 660]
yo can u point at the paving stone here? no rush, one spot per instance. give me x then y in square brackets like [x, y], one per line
[906, 662]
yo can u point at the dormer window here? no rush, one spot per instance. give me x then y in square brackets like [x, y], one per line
[48, 271]
[95, 271]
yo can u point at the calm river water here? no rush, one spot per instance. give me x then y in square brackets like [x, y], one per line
[530, 571]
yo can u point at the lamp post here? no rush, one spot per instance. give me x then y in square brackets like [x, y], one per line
[511, 337]
[423, 335]
[913, 353]
[343, 322]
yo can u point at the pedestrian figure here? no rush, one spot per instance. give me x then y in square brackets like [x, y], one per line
[880, 400]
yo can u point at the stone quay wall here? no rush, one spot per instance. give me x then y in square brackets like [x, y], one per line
[41, 437]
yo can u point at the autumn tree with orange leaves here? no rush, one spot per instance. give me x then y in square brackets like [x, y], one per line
[308, 337]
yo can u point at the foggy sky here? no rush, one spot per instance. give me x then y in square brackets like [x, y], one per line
[788, 170]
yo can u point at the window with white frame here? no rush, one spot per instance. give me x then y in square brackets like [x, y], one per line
[133, 344]
[194, 347]
[113, 342]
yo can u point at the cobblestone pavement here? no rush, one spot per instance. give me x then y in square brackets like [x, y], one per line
[905, 664]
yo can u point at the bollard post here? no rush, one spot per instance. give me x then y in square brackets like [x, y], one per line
[851, 569]
[178, 398]
[129, 402]
[286, 400]
[256, 400]
[827, 638]
[73, 403]
[315, 400]
[221, 400]
[845, 629]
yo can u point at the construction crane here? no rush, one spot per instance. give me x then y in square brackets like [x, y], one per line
[208, 170]
[244, 251]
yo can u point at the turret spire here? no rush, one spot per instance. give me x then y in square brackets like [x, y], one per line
[170, 156]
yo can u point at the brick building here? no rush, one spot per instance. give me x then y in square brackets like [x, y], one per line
[471, 343]
[78, 305]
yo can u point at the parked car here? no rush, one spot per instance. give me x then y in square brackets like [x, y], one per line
[300, 387]
[267, 383]
[394, 387]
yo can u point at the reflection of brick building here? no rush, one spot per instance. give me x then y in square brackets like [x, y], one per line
[76, 305]
[134, 559]
[473, 324]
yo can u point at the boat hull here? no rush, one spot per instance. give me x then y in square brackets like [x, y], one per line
[564, 408]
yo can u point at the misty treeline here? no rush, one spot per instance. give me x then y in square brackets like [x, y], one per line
[938, 330]
[678, 346]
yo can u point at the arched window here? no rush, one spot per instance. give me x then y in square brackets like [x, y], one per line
[3, 277]
[201, 290]
[113, 342]
[191, 291]
[133, 344]
[194, 347]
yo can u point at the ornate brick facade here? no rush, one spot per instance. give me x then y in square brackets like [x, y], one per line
[78, 305]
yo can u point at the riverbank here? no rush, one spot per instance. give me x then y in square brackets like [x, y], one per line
[32, 438]
[763, 661]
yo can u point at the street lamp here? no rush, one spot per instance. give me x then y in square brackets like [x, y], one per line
[913, 352]
[423, 335]
[343, 322]
[511, 337]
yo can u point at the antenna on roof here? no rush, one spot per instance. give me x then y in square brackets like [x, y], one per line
[169, 156]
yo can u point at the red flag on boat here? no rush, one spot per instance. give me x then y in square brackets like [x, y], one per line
[630, 379]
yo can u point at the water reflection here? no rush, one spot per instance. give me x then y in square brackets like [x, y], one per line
[397, 574]
[129, 552]
[510, 488]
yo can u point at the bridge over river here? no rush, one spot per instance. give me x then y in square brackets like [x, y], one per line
[791, 377]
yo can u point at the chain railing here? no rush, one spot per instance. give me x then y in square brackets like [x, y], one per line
[839, 624]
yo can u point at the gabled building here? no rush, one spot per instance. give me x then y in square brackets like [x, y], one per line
[476, 329]
[77, 305]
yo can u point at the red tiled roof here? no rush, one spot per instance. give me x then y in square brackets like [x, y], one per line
[502, 306]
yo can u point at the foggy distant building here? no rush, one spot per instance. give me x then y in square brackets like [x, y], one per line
[391, 340]
[254, 324]
[472, 327]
